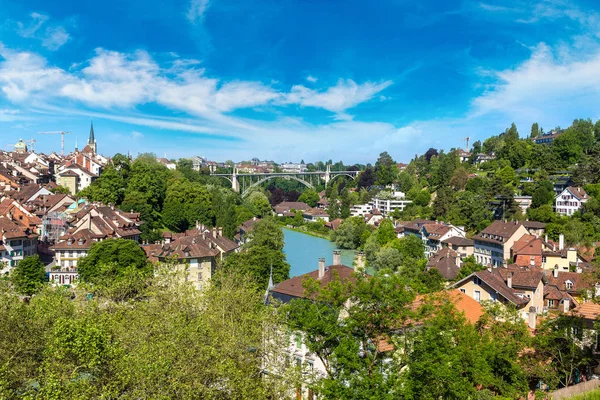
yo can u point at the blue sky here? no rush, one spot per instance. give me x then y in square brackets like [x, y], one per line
[292, 79]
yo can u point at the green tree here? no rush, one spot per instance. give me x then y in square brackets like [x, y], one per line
[263, 250]
[385, 232]
[185, 203]
[350, 233]
[29, 275]
[347, 346]
[543, 194]
[535, 130]
[259, 203]
[110, 259]
[310, 197]
[386, 169]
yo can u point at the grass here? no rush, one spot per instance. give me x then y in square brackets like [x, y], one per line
[306, 231]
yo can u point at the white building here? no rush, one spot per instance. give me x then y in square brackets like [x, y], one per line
[570, 200]
[524, 202]
[293, 167]
[388, 205]
[360, 210]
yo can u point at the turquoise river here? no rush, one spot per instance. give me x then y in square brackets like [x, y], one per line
[303, 252]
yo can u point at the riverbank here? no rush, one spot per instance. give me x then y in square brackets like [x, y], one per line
[307, 232]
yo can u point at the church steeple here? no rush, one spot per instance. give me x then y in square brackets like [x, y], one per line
[92, 139]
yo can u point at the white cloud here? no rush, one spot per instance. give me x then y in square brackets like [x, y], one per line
[137, 135]
[196, 10]
[344, 95]
[312, 79]
[52, 38]
[113, 79]
[55, 38]
[29, 30]
[545, 85]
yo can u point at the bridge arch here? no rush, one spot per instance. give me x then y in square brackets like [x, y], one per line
[336, 175]
[255, 184]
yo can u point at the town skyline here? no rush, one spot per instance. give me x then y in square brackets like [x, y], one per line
[352, 82]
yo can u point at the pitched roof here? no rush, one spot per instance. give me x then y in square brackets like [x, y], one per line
[498, 231]
[533, 225]
[521, 276]
[445, 262]
[291, 205]
[458, 241]
[528, 245]
[293, 286]
[578, 192]
[581, 281]
[589, 310]
[436, 230]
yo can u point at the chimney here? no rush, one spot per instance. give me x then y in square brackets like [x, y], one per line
[505, 264]
[561, 241]
[555, 272]
[532, 317]
[337, 257]
[566, 304]
[321, 268]
[203, 235]
[359, 261]
[509, 280]
[214, 232]
[220, 231]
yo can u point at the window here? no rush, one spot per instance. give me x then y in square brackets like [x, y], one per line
[477, 295]
[550, 303]
[476, 281]
[463, 290]
[569, 285]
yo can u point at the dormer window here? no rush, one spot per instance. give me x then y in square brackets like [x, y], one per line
[569, 285]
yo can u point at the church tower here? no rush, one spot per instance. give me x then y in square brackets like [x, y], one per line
[92, 139]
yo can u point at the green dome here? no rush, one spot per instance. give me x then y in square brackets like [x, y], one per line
[21, 146]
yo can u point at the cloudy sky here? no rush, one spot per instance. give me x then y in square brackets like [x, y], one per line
[292, 79]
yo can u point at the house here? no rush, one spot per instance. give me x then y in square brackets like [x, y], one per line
[360, 210]
[387, 205]
[482, 157]
[463, 155]
[169, 164]
[521, 287]
[196, 252]
[75, 178]
[292, 288]
[534, 228]
[493, 244]
[524, 202]
[17, 241]
[67, 252]
[570, 200]
[92, 223]
[434, 234]
[288, 208]
[293, 167]
[374, 218]
[244, 229]
[315, 214]
[446, 261]
[335, 224]
[547, 138]
[461, 245]
[579, 286]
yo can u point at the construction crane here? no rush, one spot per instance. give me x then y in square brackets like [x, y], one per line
[62, 138]
[467, 141]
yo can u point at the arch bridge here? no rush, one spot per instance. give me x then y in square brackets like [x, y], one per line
[244, 183]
